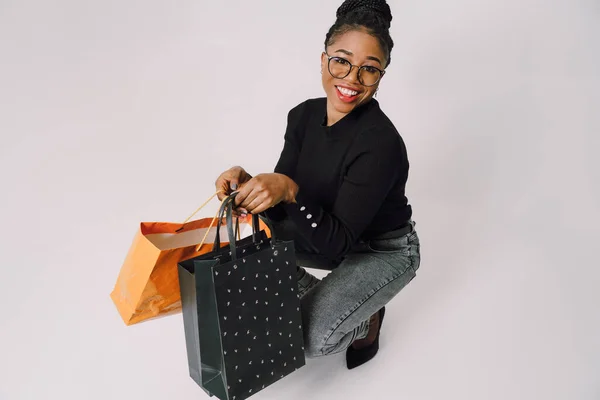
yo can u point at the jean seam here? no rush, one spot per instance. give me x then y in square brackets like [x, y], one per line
[305, 289]
[410, 245]
[402, 251]
[359, 303]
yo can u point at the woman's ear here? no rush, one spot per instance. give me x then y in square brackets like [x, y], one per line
[323, 62]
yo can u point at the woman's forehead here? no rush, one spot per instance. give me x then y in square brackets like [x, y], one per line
[357, 44]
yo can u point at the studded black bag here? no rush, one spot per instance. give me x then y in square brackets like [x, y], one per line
[241, 313]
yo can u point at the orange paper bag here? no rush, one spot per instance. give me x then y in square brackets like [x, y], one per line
[148, 285]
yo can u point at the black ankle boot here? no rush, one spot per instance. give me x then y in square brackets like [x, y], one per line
[356, 358]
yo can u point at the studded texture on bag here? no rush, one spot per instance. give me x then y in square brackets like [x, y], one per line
[242, 320]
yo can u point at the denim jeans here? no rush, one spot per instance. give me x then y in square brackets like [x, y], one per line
[336, 310]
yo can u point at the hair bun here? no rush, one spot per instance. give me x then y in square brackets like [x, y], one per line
[378, 6]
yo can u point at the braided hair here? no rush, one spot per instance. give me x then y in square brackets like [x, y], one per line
[373, 16]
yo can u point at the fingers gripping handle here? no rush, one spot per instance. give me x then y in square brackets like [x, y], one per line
[226, 211]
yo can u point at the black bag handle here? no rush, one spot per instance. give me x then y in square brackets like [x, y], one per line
[227, 205]
[217, 242]
[255, 224]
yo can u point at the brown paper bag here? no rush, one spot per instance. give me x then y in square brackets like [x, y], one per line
[148, 285]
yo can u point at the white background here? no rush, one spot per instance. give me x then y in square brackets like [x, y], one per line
[114, 112]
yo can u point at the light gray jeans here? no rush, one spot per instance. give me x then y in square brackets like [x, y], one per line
[336, 310]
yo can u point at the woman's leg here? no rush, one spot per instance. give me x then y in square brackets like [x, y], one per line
[306, 281]
[337, 310]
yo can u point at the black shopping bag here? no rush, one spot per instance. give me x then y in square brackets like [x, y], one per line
[241, 313]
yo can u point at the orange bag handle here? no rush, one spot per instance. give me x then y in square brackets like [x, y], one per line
[213, 220]
[202, 206]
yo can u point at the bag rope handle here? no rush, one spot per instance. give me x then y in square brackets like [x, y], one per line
[198, 247]
[202, 206]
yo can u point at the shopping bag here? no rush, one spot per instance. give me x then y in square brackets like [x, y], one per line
[147, 286]
[241, 313]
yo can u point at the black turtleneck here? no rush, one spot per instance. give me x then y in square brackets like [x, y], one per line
[351, 175]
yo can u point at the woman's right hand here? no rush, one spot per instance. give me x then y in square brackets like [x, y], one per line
[230, 181]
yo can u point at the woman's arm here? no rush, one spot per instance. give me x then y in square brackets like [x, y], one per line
[288, 160]
[365, 186]
[367, 182]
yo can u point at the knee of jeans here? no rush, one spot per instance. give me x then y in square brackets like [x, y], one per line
[314, 336]
[313, 345]
[312, 351]
[317, 346]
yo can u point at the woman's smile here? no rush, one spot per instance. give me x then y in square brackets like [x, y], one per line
[347, 94]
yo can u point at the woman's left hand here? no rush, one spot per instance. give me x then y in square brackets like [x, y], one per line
[265, 191]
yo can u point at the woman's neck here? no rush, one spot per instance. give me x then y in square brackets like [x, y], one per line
[333, 115]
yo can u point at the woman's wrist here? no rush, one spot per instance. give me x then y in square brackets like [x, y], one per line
[291, 189]
[293, 192]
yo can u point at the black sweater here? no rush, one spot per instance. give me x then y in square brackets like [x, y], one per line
[351, 176]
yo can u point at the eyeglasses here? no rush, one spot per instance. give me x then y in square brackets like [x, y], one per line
[340, 68]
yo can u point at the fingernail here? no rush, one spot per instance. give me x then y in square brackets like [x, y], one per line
[234, 186]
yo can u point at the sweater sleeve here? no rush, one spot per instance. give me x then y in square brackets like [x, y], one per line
[288, 160]
[367, 181]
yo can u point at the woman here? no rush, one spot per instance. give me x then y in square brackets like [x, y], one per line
[338, 191]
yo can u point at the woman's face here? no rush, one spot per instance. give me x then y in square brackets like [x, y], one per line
[360, 49]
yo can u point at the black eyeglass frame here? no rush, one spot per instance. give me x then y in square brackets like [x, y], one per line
[360, 68]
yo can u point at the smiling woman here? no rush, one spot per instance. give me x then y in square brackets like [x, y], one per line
[346, 89]
[338, 191]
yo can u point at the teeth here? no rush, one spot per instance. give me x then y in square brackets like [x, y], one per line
[347, 92]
